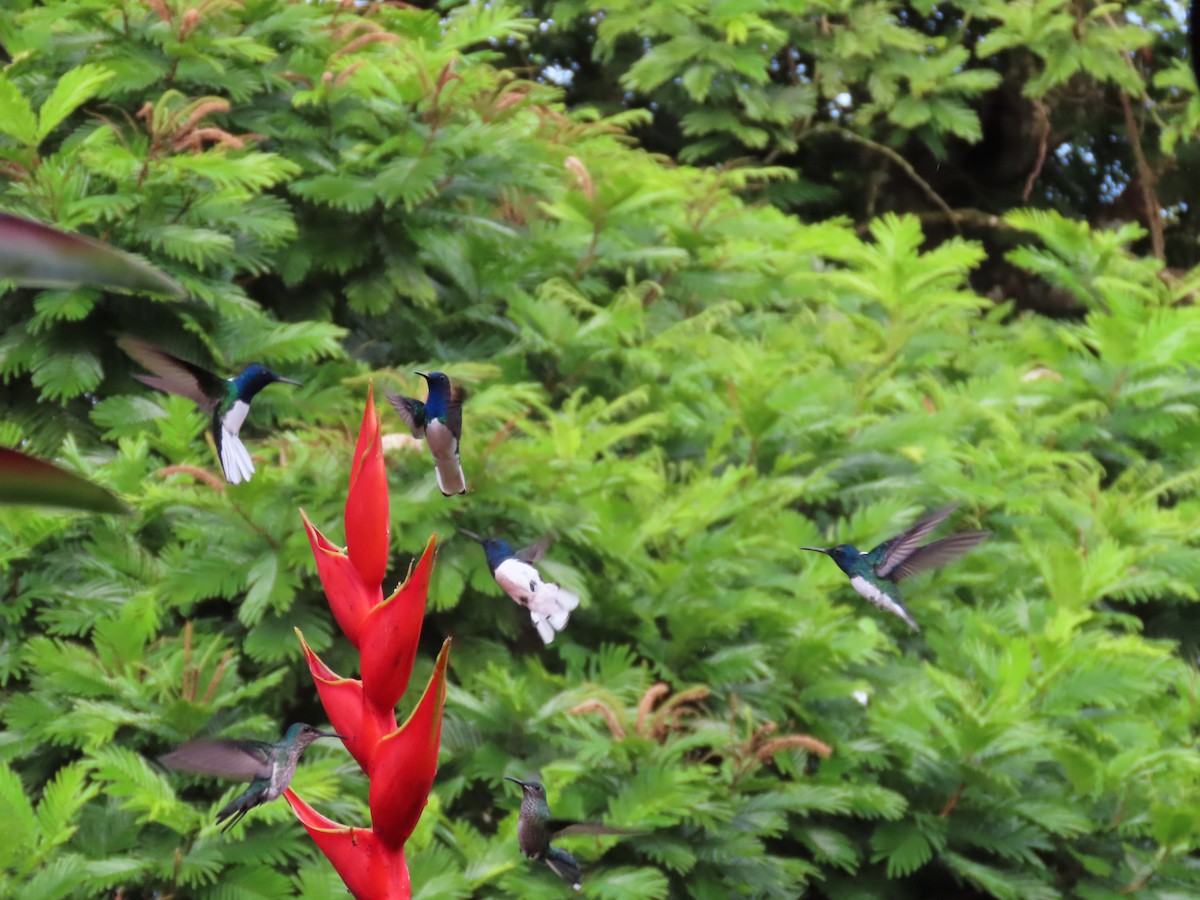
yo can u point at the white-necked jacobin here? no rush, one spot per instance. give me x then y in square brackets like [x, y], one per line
[549, 605]
[268, 767]
[875, 574]
[439, 421]
[227, 399]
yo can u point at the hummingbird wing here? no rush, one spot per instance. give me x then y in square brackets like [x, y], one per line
[534, 551]
[174, 375]
[938, 553]
[888, 555]
[454, 415]
[411, 411]
[235, 760]
[565, 827]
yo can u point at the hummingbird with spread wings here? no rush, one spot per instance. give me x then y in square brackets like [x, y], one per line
[875, 574]
[268, 767]
[536, 828]
[549, 605]
[227, 400]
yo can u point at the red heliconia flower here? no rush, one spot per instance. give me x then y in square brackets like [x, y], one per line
[371, 870]
[399, 761]
[368, 529]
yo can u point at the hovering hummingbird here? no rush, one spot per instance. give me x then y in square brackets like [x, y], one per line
[549, 605]
[268, 767]
[228, 399]
[874, 574]
[439, 421]
[536, 829]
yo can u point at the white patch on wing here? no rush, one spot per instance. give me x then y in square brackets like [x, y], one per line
[879, 598]
[549, 605]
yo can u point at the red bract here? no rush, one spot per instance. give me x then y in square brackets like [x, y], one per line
[367, 526]
[400, 762]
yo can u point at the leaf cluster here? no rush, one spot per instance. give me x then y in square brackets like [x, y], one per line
[682, 385]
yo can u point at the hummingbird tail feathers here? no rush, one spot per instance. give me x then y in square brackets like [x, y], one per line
[235, 458]
[564, 866]
[450, 478]
[550, 608]
[235, 810]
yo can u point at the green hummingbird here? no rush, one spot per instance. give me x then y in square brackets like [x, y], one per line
[875, 574]
[268, 767]
[536, 828]
[226, 399]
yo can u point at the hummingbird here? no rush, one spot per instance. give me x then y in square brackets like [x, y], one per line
[874, 574]
[536, 828]
[549, 605]
[227, 399]
[439, 421]
[268, 767]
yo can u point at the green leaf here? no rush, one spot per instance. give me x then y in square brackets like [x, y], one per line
[61, 801]
[74, 88]
[17, 119]
[20, 824]
[903, 846]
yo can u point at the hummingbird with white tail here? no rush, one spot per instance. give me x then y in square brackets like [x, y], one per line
[549, 605]
[439, 421]
[226, 399]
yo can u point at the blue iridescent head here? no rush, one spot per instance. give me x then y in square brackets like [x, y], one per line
[439, 393]
[254, 378]
[845, 555]
[497, 550]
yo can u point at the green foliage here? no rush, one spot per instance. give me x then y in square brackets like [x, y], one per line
[683, 386]
[946, 110]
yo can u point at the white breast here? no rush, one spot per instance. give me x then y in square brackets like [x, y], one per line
[442, 444]
[872, 592]
[232, 420]
[878, 597]
[519, 579]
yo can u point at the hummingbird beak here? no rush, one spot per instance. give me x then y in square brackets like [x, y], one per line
[515, 781]
[473, 536]
[280, 378]
[817, 550]
[422, 374]
[330, 734]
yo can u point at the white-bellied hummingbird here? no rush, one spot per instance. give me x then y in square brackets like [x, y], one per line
[226, 399]
[549, 605]
[875, 573]
[268, 767]
[439, 421]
